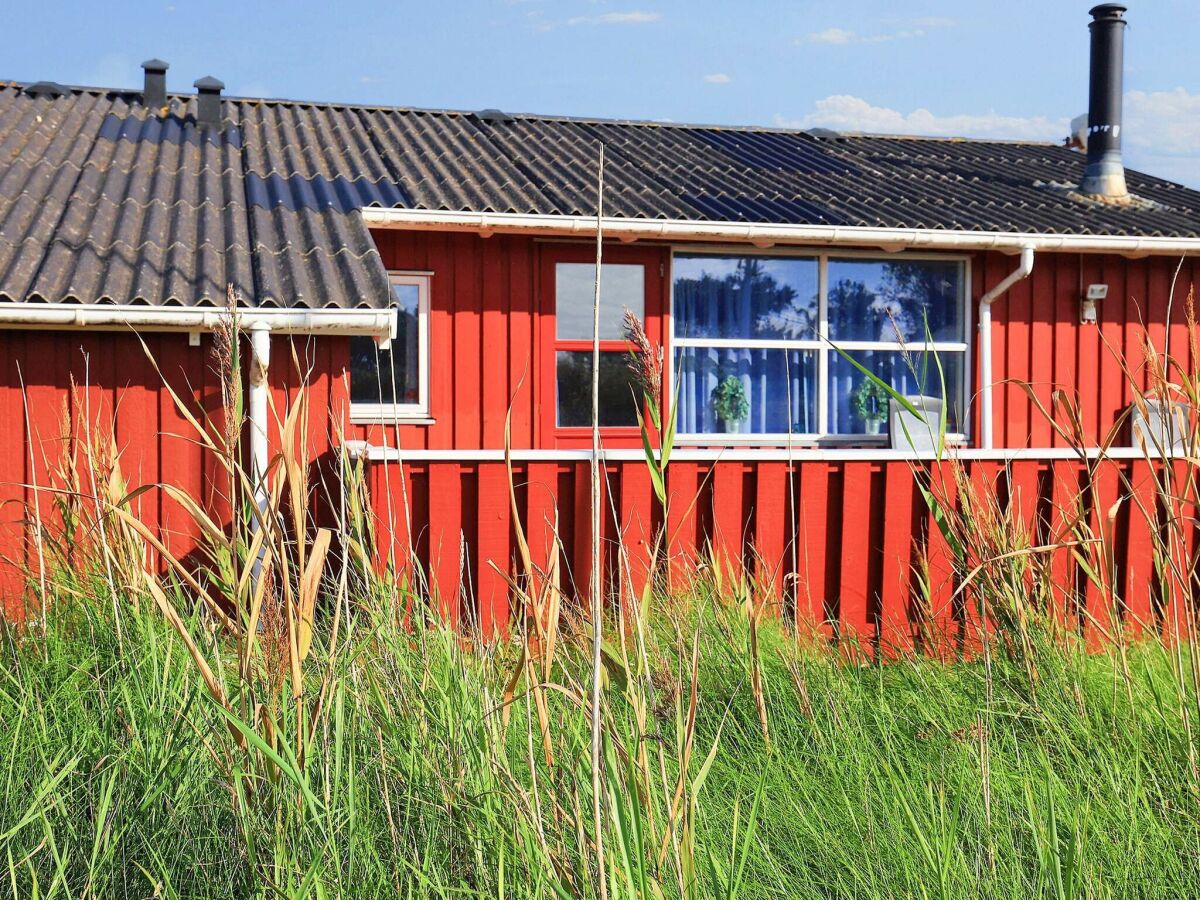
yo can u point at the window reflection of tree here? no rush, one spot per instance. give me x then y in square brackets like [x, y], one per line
[914, 301]
[747, 303]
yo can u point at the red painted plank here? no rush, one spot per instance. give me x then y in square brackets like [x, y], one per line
[1139, 548]
[637, 524]
[496, 390]
[493, 564]
[895, 586]
[444, 368]
[1064, 519]
[1017, 308]
[521, 331]
[581, 556]
[772, 526]
[1065, 304]
[682, 516]
[854, 605]
[467, 413]
[1114, 393]
[1179, 533]
[1024, 485]
[1090, 401]
[445, 537]
[938, 618]
[813, 543]
[983, 478]
[12, 490]
[1099, 590]
[729, 519]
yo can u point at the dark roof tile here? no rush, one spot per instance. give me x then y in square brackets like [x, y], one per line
[103, 200]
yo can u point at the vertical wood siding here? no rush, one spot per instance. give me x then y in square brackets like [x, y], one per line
[849, 548]
[1037, 338]
[56, 388]
[486, 344]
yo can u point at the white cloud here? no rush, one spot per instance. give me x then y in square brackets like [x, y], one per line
[934, 22]
[634, 17]
[842, 112]
[1161, 135]
[629, 17]
[902, 31]
[718, 78]
[831, 36]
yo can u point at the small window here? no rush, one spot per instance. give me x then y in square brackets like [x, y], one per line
[394, 383]
[622, 286]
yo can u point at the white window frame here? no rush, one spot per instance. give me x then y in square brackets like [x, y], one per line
[407, 413]
[822, 346]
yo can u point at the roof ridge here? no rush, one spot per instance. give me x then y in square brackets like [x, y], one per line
[552, 117]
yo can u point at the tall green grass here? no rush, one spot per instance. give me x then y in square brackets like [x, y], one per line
[275, 720]
[901, 780]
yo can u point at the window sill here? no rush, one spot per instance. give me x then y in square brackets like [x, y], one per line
[370, 416]
[798, 440]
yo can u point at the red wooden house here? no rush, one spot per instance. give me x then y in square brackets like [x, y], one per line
[433, 271]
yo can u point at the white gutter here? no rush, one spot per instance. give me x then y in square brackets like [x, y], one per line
[766, 234]
[371, 322]
[985, 342]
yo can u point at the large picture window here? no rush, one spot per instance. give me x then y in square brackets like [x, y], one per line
[394, 383]
[761, 342]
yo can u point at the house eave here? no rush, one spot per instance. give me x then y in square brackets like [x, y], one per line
[112, 317]
[767, 234]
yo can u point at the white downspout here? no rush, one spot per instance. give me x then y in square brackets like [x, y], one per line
[260, 361]
[985, 341]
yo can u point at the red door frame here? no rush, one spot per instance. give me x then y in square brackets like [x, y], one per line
[655, 262]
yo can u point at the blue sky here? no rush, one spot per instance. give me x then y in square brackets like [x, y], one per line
[1016, 68]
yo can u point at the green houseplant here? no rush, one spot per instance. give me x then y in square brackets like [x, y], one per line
[730, 403]
[870, 403]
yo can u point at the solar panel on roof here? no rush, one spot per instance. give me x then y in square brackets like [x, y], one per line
[319, 193]
[789, 210]
[775, 151]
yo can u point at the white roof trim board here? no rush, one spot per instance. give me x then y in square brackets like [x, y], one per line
[766, 234]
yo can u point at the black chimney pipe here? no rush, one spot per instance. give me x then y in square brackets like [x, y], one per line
[1104, 176]
[154, 94]
[208, 100]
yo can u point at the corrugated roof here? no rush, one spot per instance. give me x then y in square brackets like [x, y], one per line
[104, 200]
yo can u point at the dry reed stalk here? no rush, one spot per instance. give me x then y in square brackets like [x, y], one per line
[596, 599]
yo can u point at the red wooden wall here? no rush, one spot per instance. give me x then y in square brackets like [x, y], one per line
[119, 392]
[1037, 337]
[838, 535]
[837, 542]
[484, 328]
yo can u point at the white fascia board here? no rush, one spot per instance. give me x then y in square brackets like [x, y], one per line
[45, 316]
[767, 234]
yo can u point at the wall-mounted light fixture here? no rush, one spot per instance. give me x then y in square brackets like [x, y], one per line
[1087, 304]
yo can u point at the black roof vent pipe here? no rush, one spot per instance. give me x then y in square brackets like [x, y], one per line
[208, 100]
[1104, 177]
[154, 94]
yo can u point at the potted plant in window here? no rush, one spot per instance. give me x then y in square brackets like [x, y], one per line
[730, 403]
[870, 402]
